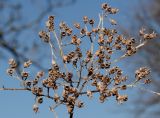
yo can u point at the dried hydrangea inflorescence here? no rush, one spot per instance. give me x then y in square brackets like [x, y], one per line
[91, 66]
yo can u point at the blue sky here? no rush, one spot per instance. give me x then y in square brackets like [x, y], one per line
[19, 104]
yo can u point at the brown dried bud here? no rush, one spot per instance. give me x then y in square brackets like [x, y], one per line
[80, 104]
[65, 59]
[12, 63]
[150, 36]
[56, 97]
[44, 36]
[91, 22]
[24, 74]
[122, 98]
[10, 71]
[94, 83]
[89, 94]
[28, 83]
[50, 23]
[89, 54]
[69, 76]
[102, 98]
[27, 64]
[62, 25]
[90, 71]
[63, 34]
[88, 34]
[85, 19]
[101, 40]
[77, 25]
[35, 108]
[40, 74]
[114, 92]
[147, 81]
[113, 10]
[75, 40]
[40, 100]
[123, 87]
[83, 31]
[104, 6]
[131, 51]
[69, 31]
[95, 30]
[142, 73]
[113, 22]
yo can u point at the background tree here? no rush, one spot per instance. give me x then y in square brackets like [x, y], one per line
[147, 15]
[18, 26]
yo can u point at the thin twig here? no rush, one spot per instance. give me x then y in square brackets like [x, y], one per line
[124, 56]
[52, 52]
[60, 48]
[14, 89]
[80, 75]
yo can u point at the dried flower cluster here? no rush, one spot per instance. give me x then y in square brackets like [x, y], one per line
[93, 67]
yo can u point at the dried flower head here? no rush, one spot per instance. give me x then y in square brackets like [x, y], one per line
[12, 63]
[85, 19]
[35, 108]
[39, 100]
[91, 21]
[104, 6]
[113, 22]
[77, 25]
[142, 72]
[150, 36]
[80, 104]
[89, 94]
[10, 71]
[122, 98]
[44, 36]
[27, 64]
[50, 23]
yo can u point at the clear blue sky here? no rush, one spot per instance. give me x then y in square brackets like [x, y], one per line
[19, 104]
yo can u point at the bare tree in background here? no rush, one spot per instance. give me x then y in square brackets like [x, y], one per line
[16, 23]
[147, 15]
